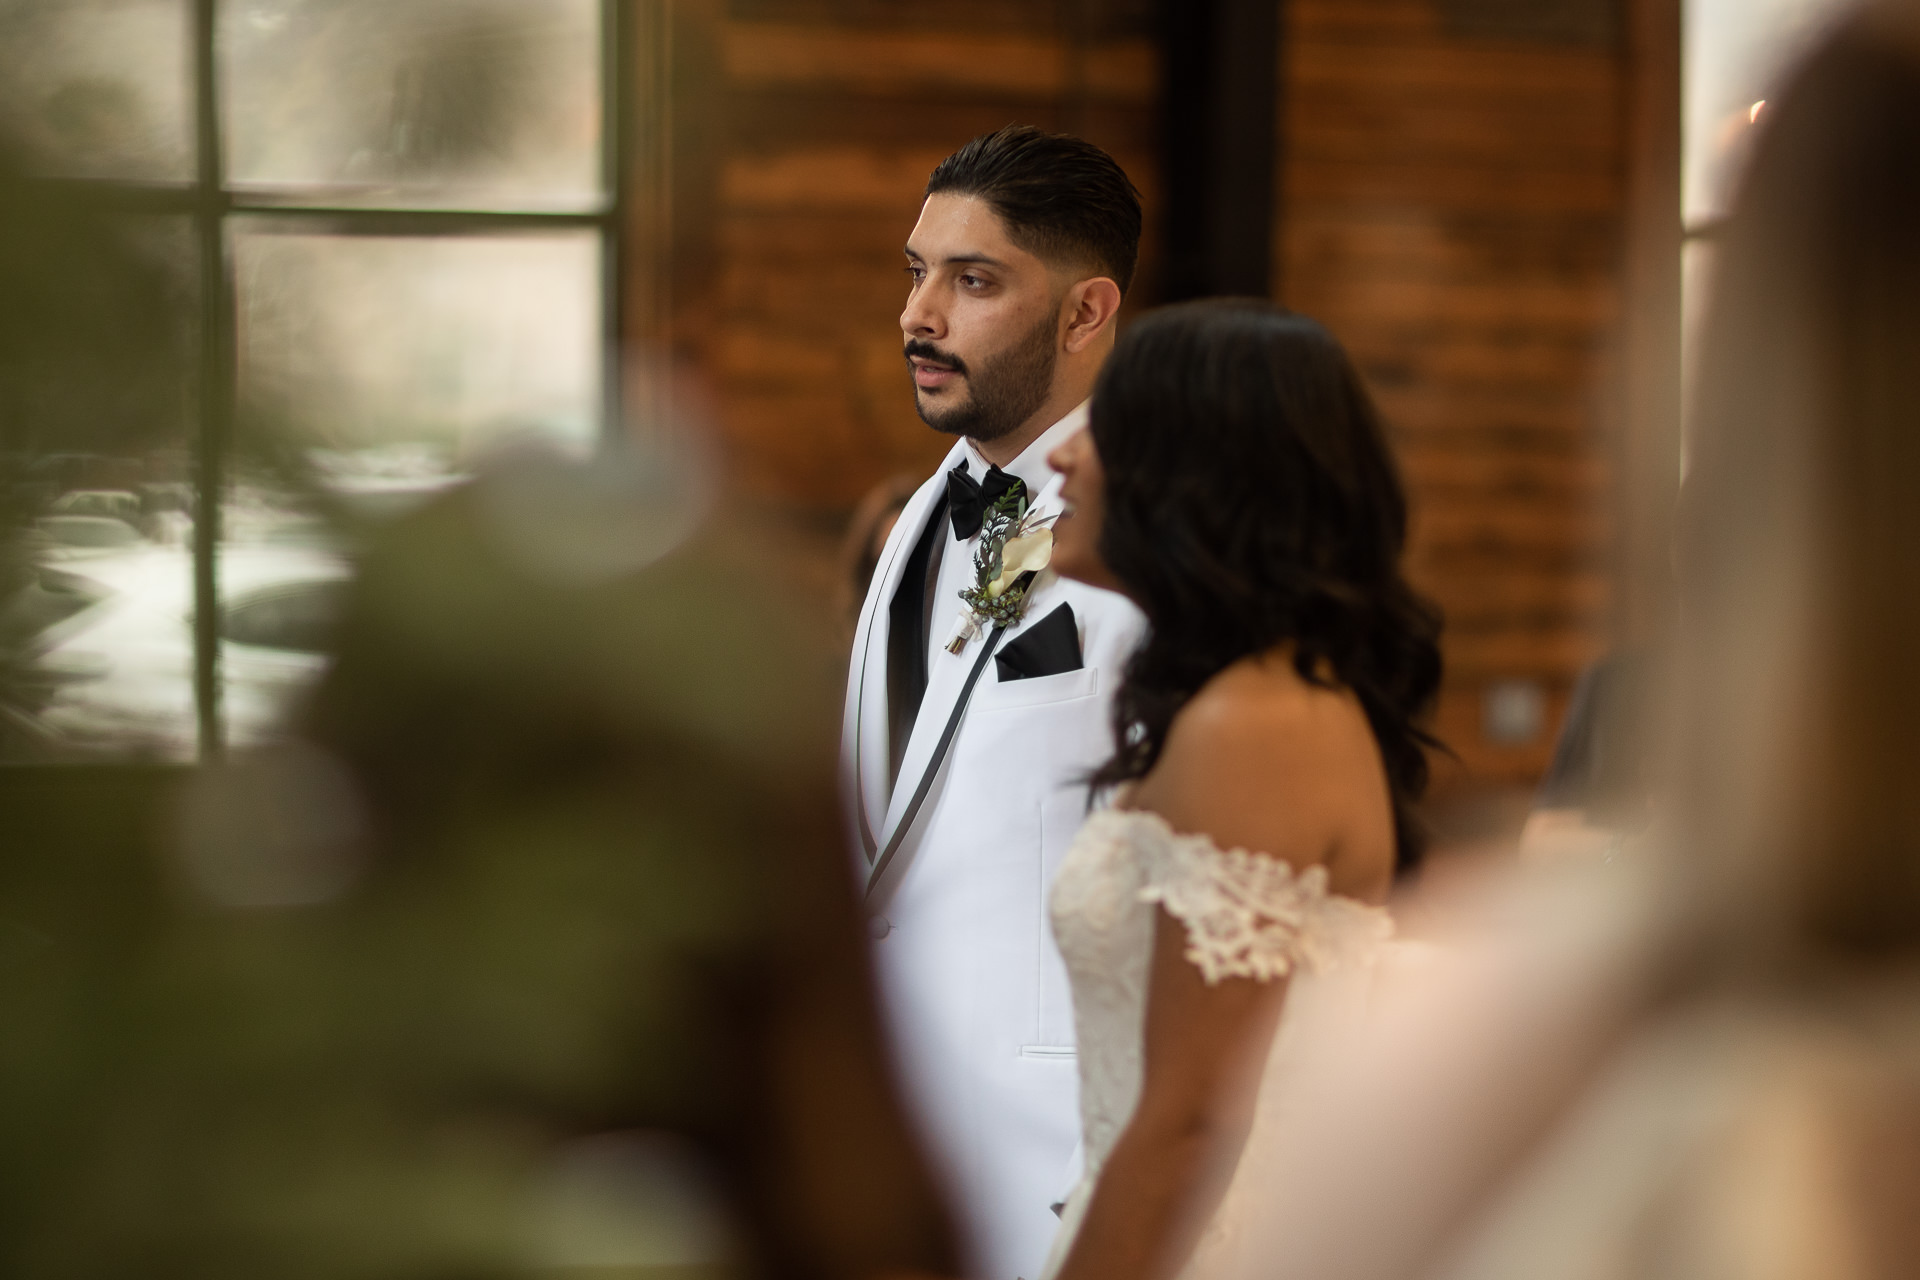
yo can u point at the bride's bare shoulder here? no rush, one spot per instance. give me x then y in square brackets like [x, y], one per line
[1264, 759]
[1262, 708]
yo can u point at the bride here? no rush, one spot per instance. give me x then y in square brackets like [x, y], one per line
[1236, 484]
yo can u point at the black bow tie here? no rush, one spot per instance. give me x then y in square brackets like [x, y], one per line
[968, 499]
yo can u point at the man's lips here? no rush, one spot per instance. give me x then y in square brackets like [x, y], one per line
[930, 375]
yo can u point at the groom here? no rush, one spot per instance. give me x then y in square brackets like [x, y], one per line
[967, 737]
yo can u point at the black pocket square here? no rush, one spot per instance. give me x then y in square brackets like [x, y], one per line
[1050, 647]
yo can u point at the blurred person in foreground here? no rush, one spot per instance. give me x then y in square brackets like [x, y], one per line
[980, 680]
[613, 773]
[1594, 791]
[1705, 1063]
[1228, 911]
[536, 955]
[536, 958]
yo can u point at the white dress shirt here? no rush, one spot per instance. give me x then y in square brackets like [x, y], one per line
[952, 570]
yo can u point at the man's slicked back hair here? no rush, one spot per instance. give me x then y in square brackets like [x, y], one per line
[1062, 198]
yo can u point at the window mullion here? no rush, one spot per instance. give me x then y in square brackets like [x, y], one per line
[216, 380]
[616, 34]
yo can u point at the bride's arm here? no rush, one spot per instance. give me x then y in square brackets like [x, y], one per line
[1167, 1172]
[1282, 776]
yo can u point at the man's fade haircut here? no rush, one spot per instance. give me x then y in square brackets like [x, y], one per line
[1062, 198]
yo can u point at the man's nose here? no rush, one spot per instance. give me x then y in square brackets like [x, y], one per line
[921, 319]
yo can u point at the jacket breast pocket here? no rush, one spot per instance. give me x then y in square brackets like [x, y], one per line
[1004, 695]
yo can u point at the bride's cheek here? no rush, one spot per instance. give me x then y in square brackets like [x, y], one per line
[1082, 557]
[1066, 543]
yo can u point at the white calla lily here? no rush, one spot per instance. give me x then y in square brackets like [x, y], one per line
[1028, 552]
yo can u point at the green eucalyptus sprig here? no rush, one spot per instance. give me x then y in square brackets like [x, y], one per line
[1015, 545]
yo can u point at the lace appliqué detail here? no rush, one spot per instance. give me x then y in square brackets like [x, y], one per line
[1253, 916]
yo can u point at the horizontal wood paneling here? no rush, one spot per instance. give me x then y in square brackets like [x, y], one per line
[1452, 211]
[1450, 208]
[778, 119]
[957, 22]
[833, 116]
[923, 64]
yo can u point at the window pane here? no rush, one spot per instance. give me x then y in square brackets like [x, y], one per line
[282, 578]
[389, 363]
[1736, 51]
[472, 103]
[96, 577]
[393, 360]
[100, 88]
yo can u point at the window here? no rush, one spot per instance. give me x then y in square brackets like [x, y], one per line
[391, 229]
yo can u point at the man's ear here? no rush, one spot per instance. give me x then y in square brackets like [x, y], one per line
[1089, 308]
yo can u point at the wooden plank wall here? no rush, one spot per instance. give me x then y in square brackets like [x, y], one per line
[834, 114]
[1451, 207]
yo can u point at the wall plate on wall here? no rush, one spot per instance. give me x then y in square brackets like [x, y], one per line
[1513, 713]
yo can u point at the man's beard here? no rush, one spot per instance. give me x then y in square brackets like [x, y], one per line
[1005, 391]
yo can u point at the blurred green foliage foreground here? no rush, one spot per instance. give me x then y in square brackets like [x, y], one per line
[534, 953]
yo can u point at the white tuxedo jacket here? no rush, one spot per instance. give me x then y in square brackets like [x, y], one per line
[980, 1013]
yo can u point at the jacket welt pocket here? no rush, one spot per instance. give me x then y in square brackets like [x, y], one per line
[999, 695]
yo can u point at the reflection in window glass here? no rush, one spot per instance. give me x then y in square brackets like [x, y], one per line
[391, 362]
[282, 581]
[394, 361]
[479, 103]
[295, 616]
[1735, 53]
[116, 675]
[99, 88]
[111, 614]
[96, 603]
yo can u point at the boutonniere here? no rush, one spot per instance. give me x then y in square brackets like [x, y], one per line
[1016, 543]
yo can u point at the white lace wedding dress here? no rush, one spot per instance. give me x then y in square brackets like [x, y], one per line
[1247, 916]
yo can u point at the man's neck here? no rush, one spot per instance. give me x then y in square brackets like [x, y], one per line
[1005, 449]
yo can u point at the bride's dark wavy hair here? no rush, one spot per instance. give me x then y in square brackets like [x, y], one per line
[1251, 501]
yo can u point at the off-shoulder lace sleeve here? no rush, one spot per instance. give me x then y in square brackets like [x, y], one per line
[1249, 915]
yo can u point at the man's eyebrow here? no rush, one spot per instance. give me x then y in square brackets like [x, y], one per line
[964, 259]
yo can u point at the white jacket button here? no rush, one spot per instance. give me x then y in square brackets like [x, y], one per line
[878, 927]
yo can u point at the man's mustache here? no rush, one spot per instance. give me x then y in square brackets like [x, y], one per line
[927, 351]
